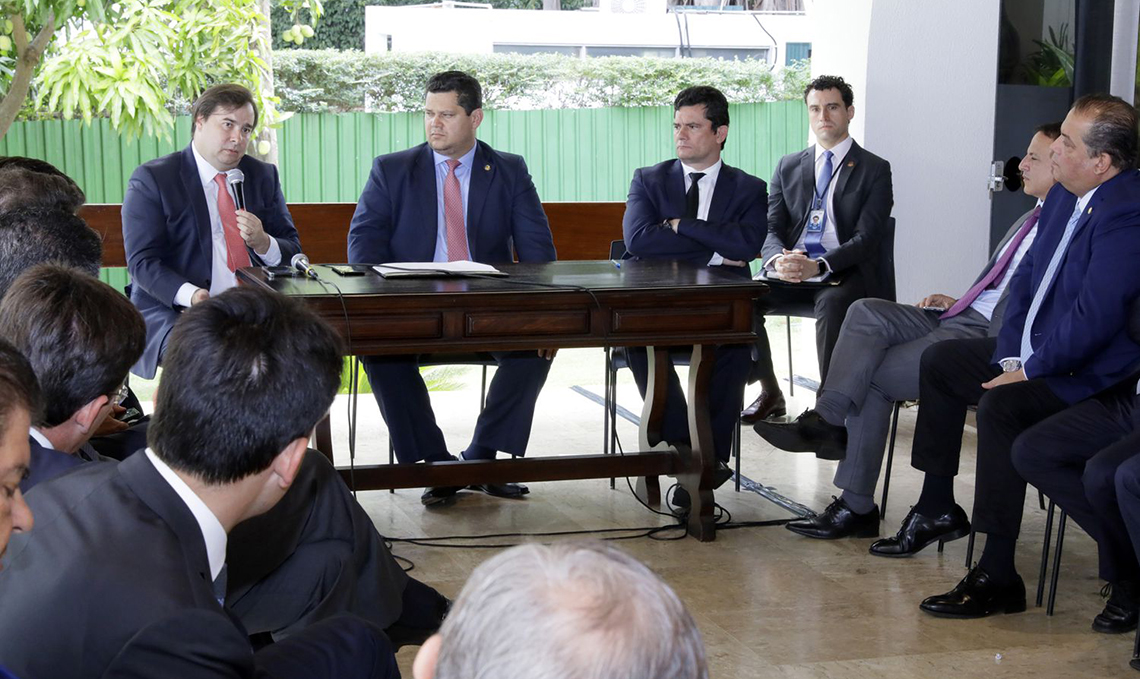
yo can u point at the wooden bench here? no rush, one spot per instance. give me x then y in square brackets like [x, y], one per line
[581, 230]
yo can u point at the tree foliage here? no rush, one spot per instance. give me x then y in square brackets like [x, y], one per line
[134, 60]
[328, 80]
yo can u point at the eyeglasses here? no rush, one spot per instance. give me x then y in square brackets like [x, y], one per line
[120, 395]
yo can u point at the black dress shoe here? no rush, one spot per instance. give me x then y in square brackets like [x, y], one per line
[1122, 610]
[977, 596]
[510, 491]
[837, 521]
[439, 495]
[808, 433]
[721, 474]
[918, 531]
[766, 405]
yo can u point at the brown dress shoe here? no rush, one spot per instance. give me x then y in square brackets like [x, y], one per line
[766, 405]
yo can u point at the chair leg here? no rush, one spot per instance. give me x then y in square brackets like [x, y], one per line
[1136, 645]
[1056, 562]
[1045, 553]
[483, 392]
[391, 459]
[890, 459]
[1041, 499]
[970, 549]
[791, 374]
[736, 451]
[611, 408]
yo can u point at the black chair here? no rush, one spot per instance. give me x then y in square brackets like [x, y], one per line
[886, 270]
[616, 360]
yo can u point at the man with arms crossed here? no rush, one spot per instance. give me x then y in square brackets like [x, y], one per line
[697, 208]
[876, 363]
[485, 206]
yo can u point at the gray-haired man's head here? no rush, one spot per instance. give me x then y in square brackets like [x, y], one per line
[566, 611]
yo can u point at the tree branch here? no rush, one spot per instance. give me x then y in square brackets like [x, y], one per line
[27, 58]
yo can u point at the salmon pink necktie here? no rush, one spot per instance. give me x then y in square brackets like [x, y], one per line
[455, 232]
[236, 254]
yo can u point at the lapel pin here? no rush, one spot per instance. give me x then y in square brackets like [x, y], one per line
[487, 168]
[851, 163]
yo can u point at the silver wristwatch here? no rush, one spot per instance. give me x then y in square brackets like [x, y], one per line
[1010, 365]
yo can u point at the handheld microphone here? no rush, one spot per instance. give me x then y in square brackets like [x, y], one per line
[236, 179]
[301, 263]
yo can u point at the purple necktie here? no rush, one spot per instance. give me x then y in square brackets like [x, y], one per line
[996, 272]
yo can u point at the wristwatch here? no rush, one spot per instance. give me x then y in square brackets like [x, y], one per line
[1010, 365]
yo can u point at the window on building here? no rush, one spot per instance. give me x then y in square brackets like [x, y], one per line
[572, 50]
[797, 51]
[730, 53]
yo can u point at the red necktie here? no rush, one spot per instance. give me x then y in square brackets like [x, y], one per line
[996, 272]
[236, 254]
[455, 232]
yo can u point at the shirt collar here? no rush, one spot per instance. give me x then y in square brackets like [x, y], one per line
[711, 172]
[464, 161]
[1083, 201]
[40, 438]
[206, 171]
[213, 533]
[838, 152]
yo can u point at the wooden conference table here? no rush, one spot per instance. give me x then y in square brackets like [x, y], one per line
[655, 304]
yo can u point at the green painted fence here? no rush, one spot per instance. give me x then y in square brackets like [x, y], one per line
[573, 155]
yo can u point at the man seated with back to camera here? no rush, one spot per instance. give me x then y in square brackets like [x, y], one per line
[318, 544]
[571, 610]
[154, 531]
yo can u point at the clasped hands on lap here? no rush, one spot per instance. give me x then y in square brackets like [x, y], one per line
[794, 266]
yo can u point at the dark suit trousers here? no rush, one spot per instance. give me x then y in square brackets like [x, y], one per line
[503, 425]
[829, 306]
[339, 647]
[1128, 493]
[726, 393]
[950, 378]
[315, 555]
[1073, 457]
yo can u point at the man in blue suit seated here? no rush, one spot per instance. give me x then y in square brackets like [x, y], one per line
[486, 209]
[192, 218]
[698, 209]
[19, 403]
[1065, 338]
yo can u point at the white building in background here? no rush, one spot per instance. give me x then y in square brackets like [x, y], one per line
[615, 28]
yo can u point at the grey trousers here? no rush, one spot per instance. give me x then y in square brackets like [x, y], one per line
[875, 363]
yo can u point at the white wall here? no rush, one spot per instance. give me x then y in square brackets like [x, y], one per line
[452, 29]
[1124, 30]
[926, 74]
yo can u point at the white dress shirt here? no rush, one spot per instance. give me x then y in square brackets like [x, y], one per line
[40, 438]
[705, 187]
[213, 533]
[221, 278]
[987, 299]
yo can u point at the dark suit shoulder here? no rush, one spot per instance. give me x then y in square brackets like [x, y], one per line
[657, 173]
[867, 158]
[162, 168]
[401, 159]
[743, 178]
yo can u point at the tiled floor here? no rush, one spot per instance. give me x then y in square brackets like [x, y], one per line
[776, 605]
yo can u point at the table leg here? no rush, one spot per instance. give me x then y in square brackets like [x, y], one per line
[700, 459]
[323, 436]
[652, 415]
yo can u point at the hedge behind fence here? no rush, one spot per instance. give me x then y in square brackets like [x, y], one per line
[316, 81]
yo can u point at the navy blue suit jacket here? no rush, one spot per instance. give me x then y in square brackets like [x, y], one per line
[166, 235]
[1080, 340]
[396, 217]
[46, 464]
[735, 228]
